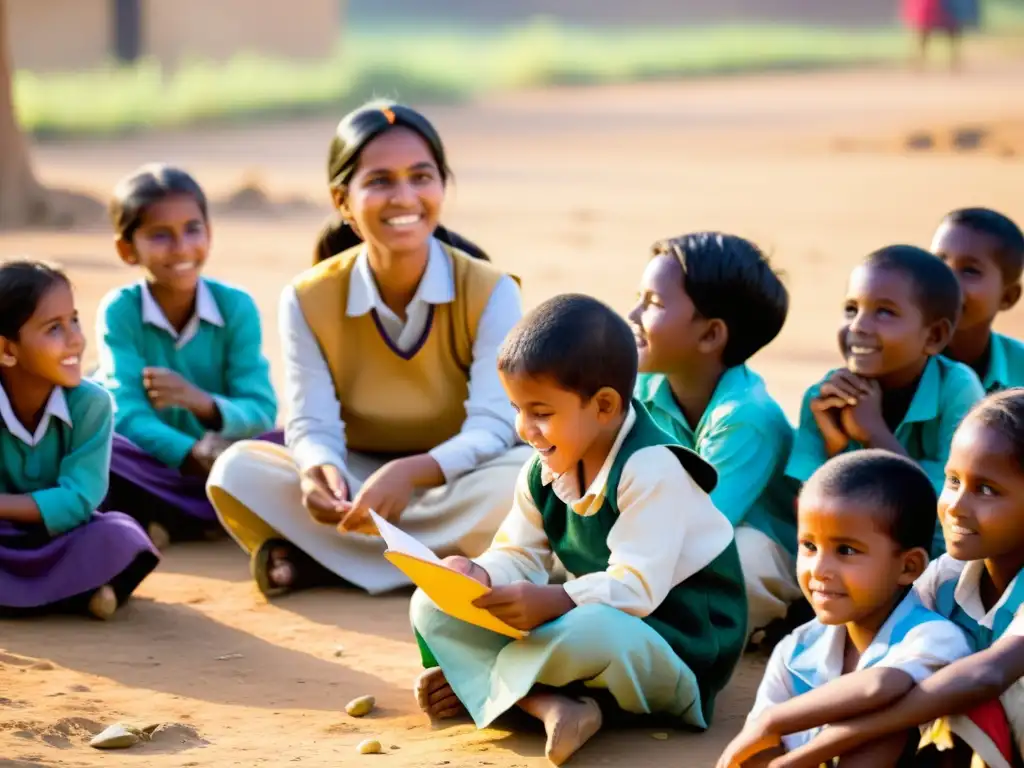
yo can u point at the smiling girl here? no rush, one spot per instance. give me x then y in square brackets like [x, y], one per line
[393, 392]
[181, 354]
[56, 552]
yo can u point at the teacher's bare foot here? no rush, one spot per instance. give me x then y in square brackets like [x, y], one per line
[436, 697]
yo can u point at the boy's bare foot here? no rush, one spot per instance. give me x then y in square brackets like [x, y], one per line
[103, 603]
[436, 697]
[569, 723]
[158, 535]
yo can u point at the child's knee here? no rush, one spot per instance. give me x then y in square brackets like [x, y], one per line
[423, 612]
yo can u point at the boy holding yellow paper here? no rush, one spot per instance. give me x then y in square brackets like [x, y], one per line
[654, 610]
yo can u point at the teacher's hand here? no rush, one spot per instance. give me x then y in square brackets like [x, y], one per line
[324, 493]
[387, 492]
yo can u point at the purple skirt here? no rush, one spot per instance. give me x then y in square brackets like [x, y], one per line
[151, 491]
[38, 570]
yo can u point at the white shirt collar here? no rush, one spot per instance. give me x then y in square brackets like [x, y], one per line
[56, 406]
[968, 594]
[206, 311]
[566, 486]
[437, 286]
[820, 649]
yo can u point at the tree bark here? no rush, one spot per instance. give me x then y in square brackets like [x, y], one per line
[23, 200]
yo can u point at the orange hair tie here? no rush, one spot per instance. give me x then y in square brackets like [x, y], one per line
[389, 115]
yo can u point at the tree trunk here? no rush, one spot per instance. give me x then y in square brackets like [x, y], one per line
[23, 200]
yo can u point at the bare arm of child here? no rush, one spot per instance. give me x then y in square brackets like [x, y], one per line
[954, 689]
[841, 699]
[19, 508]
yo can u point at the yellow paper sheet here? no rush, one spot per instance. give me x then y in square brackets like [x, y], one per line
[451, 591]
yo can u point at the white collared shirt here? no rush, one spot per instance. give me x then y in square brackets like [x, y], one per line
[56, 407]
[206, 311]
[667, 530]
[315, 430]
[914, 639]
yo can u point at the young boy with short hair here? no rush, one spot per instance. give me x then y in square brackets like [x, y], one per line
[653, 613]
[708, 302]
[895, 390]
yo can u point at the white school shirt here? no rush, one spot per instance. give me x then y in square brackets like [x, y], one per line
[668, 529]
[913, 639]
[315, 430]
[56, 407]
[206, 311]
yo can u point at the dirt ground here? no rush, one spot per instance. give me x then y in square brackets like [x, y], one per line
[566, 188]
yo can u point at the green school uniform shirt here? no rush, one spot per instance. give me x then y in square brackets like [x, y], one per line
[946, 392]
[65, 464]
[220, 351]
[703, 619]
[746, 436]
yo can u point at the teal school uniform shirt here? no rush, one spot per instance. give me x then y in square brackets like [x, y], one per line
[746, 436]
[65, 464]
[946, 392]
[220, 351]
[1005, 364]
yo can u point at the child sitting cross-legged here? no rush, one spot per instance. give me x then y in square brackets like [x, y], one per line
[653, 614]
[864, 523]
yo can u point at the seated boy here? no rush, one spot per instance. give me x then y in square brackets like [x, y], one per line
[653, 615]
[895, 392]
[985, 250]
[865, 522]
[708, 302]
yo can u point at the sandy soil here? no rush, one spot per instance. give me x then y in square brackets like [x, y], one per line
[567, 188]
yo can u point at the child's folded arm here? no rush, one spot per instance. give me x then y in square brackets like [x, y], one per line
[955, 689]
[520, 550]
[667, 530]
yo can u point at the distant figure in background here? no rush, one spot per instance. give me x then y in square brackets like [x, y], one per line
[949, 16]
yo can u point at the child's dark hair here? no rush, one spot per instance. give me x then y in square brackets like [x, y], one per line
[361, 126]
[729, 278]
[1010, 240]
[337, 237]
[894, 486]
[22, 286]
[1004, 412]
[935, 287]
[148, 185]
[575, 340]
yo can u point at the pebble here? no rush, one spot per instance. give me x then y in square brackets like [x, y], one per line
[339, 651]
[369, 747]
[659, 736]
[117, 736]
[361, 706]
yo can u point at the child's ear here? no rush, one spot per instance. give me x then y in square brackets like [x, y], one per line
[126, 251]
[609, 404]
[914, 563]
[338, 197]
[715, 337]
[1010, 297]
[939, 334]
[7, 357]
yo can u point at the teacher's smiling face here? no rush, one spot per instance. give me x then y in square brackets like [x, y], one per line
[394, 198]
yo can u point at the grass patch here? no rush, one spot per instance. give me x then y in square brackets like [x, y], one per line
[437, 65]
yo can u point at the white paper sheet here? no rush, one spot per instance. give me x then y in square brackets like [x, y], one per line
[400, 541]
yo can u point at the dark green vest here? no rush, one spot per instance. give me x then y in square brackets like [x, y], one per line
[704, 619]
